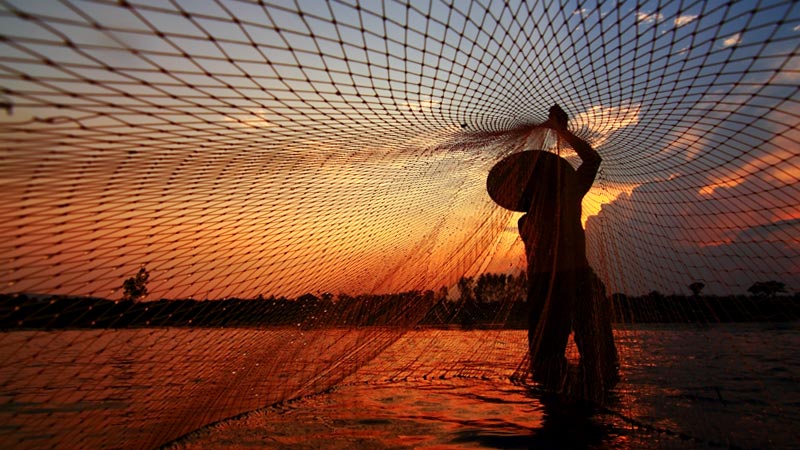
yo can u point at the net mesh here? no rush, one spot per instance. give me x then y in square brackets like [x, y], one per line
[323, 165]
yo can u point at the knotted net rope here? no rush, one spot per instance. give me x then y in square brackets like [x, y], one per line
[339, 151]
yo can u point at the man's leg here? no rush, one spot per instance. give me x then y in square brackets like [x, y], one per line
[548, 329]
[594, 337]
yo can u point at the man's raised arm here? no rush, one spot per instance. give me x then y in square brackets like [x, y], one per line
[557, 121]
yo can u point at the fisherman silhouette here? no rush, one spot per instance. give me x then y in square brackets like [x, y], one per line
[562, 288]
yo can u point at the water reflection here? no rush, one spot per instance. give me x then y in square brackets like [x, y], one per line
[554, 424]
[682, 387]
[575, 426]
[434, 414]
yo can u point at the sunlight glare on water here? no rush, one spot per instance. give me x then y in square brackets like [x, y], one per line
[678, 391]
[682, 387]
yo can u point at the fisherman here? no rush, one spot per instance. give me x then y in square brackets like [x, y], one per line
[562, 287]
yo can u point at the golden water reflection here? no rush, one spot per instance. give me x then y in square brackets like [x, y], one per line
[681, 387]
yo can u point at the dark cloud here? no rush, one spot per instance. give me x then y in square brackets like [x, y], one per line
[666, 234]
[783, 230]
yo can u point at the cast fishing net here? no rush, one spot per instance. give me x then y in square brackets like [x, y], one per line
[297, 184]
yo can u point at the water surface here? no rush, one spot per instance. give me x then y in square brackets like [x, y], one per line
[681, 387]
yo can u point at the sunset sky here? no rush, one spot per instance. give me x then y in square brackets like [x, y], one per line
[239, 150]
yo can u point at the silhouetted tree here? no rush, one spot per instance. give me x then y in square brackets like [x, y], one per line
[767, 288]
[490, 288]
[465, 287]
[135, 288]
[442, 294]
[467, 306]
[696, 288]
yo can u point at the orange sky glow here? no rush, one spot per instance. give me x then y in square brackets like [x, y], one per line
[286, 152]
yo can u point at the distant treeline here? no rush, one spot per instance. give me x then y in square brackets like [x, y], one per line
[704, 309]
[307, 311]
[491, 300]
